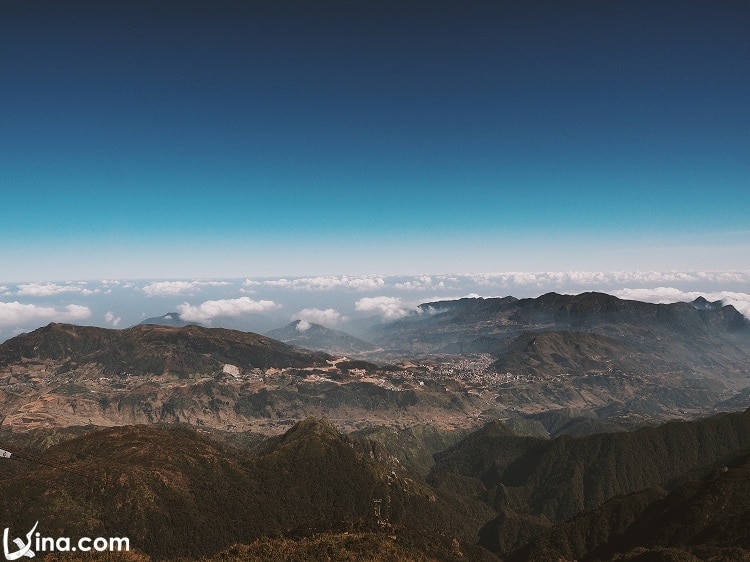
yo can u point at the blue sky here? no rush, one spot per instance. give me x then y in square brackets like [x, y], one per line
[242, 139]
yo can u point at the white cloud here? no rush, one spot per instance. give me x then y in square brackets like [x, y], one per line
[112, 320]
[589, 279]
[659, 295]
[740, 301]
[421, 283]
[302, 326]
[208, 310]
[390, 308]
[328, 317]
[170, 288]
[247, 286]
[50, 289]
[14, 314]
[328, 282]
[278, 283]
[165, 288]
[449, 298]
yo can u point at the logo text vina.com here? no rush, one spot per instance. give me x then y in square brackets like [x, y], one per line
[36, 543]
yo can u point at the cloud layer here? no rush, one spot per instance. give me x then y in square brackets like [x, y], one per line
[171, 288]
[333, 299]
[324, 283]
[112, 320]
[390, 308]
[665, 295]
[14, 314]
[208, 310]
[328, 317]
[51, 289]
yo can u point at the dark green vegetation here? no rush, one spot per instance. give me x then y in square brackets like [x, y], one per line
[150, 349]
[176, 493]
[413, 446]
[680, 491]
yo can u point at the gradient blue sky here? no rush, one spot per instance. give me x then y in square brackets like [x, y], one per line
[231, 139]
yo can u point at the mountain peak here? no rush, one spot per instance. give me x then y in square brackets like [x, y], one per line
[311, 335]
[701, 303]
[169, 319]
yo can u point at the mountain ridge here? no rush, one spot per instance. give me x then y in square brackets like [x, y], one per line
[698, 339]
[176, 493]
[155, 349]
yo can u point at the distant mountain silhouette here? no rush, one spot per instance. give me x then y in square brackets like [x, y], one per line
[169, 319]
[310, 335]
[257, 323]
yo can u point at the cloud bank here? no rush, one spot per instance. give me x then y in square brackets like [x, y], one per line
[51, 289]
[112, 320]
[330, 299]
[593, 279]
[666, 295]
[325, 283]
[328, 317]
[208, 310]
[14, 314]
[390, 308]
[171, 288]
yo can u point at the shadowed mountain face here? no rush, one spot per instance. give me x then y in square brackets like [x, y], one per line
[590, 332]
[175, 493]
[151, 349]
[318, 337]
[536, 353]
[533, 483]
[705, 519]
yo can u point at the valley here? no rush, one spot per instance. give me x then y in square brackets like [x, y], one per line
[449, 392]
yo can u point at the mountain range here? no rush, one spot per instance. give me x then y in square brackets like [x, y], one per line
[589, 332]
[506, 429]
[618, 363]
[673, 492]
